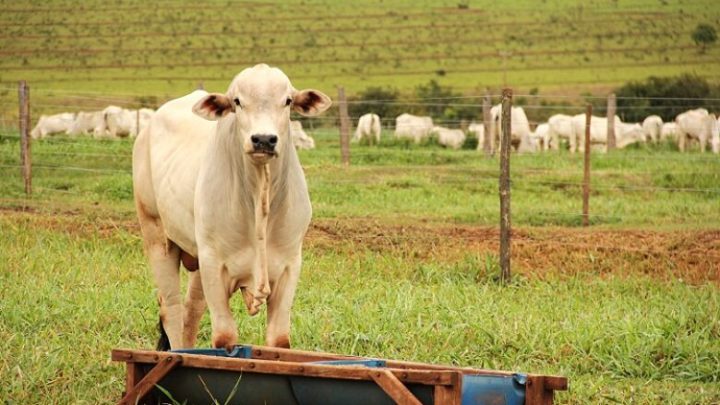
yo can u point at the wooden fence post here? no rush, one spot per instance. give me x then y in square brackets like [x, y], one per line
[487, 142]
[611, 141]
[505, 232]
[586, 172]
[344, 127]
[137, 122]
[25, 159]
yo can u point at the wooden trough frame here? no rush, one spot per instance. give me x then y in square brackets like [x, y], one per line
[445, 380]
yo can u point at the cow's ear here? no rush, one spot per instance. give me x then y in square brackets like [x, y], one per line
[310, 102]
[214, 106]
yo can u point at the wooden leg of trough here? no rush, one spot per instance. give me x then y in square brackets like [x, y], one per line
[135, 393]
[394, 388]
[449, 394]
[536, 393]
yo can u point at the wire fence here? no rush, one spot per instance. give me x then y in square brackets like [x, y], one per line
[62, 167]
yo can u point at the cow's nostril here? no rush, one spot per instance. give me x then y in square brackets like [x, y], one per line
[273, 140]
[255, 139]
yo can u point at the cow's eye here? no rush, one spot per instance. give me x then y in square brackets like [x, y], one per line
[237, 102]
[288, 101]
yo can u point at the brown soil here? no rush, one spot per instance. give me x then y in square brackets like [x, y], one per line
[690, 255]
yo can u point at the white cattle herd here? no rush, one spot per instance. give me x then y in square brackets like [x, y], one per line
[116, 122]
[694, 125]
[691, 126]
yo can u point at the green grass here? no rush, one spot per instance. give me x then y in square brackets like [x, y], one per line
[86, 59]
[75, 283]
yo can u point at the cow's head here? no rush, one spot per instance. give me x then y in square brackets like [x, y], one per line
[261, 98]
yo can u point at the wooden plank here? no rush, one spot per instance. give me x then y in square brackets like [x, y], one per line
[294, 355]
[427, 377]
[136, 393]
[537, 391]
[133, 376]
[394, 388]
[449, 394]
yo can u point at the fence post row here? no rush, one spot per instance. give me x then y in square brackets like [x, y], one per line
[24, 125]
[344, 127]
[505, 186]
[586, 171]
[487, 145]
[611, 141]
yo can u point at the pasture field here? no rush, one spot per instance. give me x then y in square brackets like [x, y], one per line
[130, 52]
[399, 262]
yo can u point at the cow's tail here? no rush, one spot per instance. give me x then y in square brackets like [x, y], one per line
[163, 343]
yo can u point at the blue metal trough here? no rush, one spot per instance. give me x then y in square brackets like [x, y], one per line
[266, 375]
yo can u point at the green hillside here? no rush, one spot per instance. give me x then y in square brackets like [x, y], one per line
[124, 50]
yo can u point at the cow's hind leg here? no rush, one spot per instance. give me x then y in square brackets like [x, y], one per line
[164, 258]
[165, 263]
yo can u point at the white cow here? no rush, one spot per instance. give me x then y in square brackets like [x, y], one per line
[561, 126]
[218, 185]
[519, 128]
[87, 123]
[668, 131]
[652, 125]
[625, 134]
[300, 139]
[52, 124]
[479, 130]
[409, 126]
[541, 136]
[698, 125]
[450, 138]
[369, 128]
[120, 122]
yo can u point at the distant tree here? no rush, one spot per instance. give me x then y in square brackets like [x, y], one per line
[442, 103]
[665, 96]
[378, 100]
[704, 35]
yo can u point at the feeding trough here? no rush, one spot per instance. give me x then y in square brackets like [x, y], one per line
[268, 375]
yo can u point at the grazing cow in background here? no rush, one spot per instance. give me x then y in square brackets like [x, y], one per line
[87, 123]
[52, 124]
[120, 122]
[652, 125]
[561, 126]
[668, 131]
[369, 128]
[218, 186]
[698, 125]
[541, 136]
[450, 138]
[519, 128]
[625, 134]
[479, 130]
[409, 126]
[300, 139]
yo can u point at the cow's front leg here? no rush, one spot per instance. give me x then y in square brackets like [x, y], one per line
[279, 305]
[194, 309]
[217, 289]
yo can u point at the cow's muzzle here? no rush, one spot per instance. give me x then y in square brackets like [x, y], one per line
[264, 144]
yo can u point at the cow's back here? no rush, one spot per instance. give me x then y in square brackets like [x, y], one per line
[166, 160]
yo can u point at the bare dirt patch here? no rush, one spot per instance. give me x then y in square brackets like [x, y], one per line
[690, 255]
